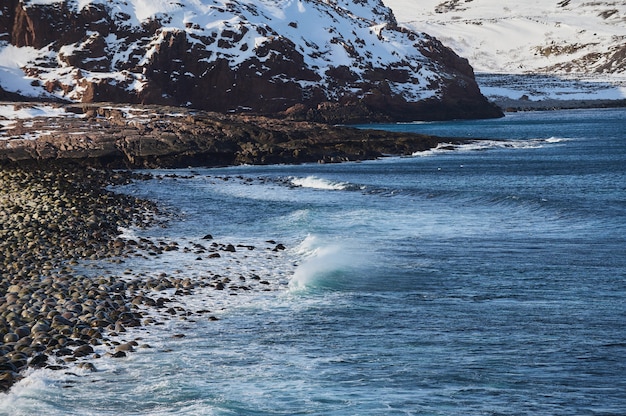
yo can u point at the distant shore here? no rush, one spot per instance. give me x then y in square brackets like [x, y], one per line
[544, 91]
[514, 105]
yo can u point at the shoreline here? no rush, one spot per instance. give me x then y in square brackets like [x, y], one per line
[124, 136]
[134, 136]
[61, 234]
[57, 162]
[510, 105]
[53, 218]
[55, 213]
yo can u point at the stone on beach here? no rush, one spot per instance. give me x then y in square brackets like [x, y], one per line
[57, 217]
[52, 216]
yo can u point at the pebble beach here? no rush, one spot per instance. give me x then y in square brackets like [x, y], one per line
[52, 217]
[60, 314]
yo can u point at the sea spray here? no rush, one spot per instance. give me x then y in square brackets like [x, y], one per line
[484, 144]
[324, 265]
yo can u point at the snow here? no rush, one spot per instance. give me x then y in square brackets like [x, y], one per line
[11, 113]
[328, 33]
[518, 38]
[43, 2]
[500, 39]
[12, 78]
[509, 33]
[45, 116]
[145, 9]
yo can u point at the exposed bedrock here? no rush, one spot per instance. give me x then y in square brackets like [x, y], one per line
[154, 136]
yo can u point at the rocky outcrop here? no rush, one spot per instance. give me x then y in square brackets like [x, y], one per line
[151, 137]
[330, 61]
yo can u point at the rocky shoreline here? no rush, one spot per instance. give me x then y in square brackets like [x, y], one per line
[122, 136]
[514, 105]
[51, 218]
[59, 308]
[56, 211]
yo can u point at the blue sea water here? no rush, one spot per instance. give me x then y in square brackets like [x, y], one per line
[483, 279]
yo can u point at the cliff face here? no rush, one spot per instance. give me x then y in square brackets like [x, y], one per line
[322, 60]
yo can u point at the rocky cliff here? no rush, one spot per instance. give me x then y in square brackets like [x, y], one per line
[320, 60]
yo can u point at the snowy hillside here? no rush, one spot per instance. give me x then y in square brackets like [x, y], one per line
[581, 45]
[233, 55]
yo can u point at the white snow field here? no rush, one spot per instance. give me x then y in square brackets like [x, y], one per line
[571, 49]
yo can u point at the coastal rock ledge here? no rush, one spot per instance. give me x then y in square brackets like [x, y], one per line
[340, 61]
[168, 137]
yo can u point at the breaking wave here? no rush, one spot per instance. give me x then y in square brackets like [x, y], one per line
[318, 183]
[482, 145]
[324, 265]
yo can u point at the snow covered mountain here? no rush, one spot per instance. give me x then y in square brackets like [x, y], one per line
[326, 60]
[575, 49]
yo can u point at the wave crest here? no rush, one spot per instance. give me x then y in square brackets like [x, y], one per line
[322, 266]
[318, 183]
[481, 145]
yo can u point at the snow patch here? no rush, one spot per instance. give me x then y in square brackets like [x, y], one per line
[11, 115]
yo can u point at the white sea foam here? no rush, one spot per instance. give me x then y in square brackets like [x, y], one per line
[24, 398]
[557, 139]
[482, 145]
[318, 183]
[127, 233]
[322, 262]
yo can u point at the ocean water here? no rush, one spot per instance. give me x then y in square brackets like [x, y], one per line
[484, 279]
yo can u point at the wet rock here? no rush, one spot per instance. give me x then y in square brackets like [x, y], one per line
[126, 347]
[39, 361]
[48, 215]
[279, 247]
[7, 379]
[83, 351]
[87, 366]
